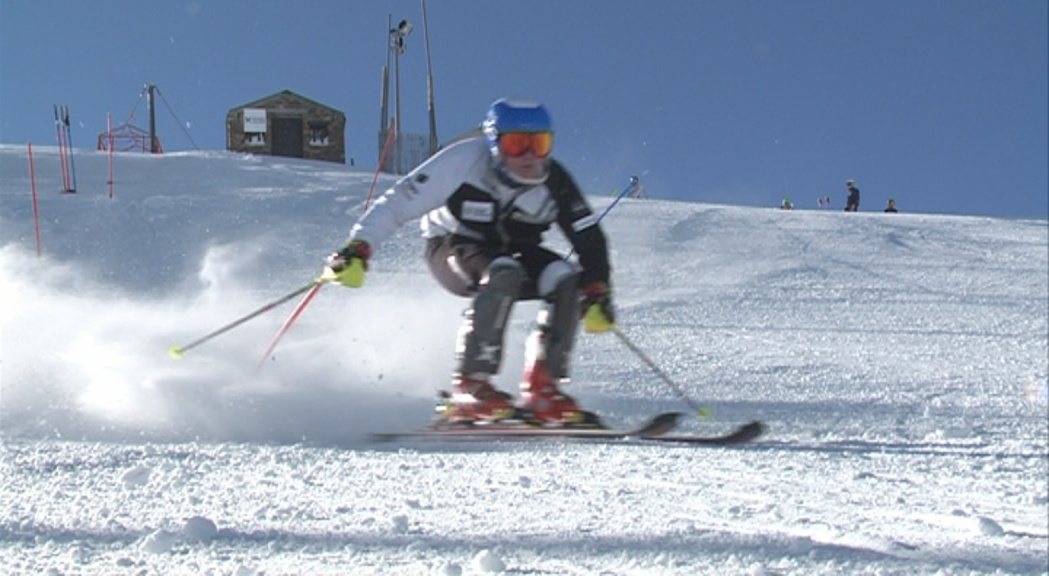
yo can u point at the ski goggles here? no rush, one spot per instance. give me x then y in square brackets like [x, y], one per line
[515, 144]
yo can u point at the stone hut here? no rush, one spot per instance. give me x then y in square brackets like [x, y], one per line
[287, 124]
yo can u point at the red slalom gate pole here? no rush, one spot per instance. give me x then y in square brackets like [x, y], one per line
[287, 324]
[36, 211]
[316, 288]
[382, 159]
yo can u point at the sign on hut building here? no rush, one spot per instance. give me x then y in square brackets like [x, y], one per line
[287, 124]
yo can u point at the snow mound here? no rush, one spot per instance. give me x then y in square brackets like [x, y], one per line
[487, 562]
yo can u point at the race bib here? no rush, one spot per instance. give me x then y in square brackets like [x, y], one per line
[477, 211]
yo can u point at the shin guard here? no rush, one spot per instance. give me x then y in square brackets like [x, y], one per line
[557, 324]
[480, 343]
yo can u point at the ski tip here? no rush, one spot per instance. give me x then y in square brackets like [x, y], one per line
[750, 431]
[660, 424]
[669, 418]
[175, 352]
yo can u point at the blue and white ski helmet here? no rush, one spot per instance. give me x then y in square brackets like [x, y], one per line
[514, 115]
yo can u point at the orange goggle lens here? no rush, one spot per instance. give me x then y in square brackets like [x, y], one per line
[517, 143]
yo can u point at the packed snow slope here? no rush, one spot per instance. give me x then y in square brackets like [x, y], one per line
[899, 361]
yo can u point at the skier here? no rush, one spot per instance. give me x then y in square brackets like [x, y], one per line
[891, 208]
[484, 205]
[852, 203]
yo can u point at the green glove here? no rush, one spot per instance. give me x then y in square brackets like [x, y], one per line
[347, 266]
[598, 313]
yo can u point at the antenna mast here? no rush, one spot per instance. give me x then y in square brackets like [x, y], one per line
[384, 121]
[154, 142]
[429, 85]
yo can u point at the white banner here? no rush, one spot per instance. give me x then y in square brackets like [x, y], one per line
[254, 120]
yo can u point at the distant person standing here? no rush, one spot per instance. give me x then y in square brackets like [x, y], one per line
[892, 206]
[637, 190]
[852, 203]
[786, 204]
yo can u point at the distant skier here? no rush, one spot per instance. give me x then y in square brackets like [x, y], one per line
[636, 189]
[484, 205]
[786, 204]
[852, 203]
[892, 206]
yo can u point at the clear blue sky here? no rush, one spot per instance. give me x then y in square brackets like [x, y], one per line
[941, 104]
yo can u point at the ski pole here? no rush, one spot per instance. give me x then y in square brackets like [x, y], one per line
[632, 185]
[177, 352]
[317, 285]
[701, 411]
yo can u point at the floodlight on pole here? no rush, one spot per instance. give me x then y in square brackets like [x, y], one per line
[397, 36]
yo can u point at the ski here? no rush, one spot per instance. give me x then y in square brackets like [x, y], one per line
[655, 430]
[746, 433]
[653, 427]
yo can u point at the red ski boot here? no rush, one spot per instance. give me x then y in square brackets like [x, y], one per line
[541, 398]
[475, 399]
